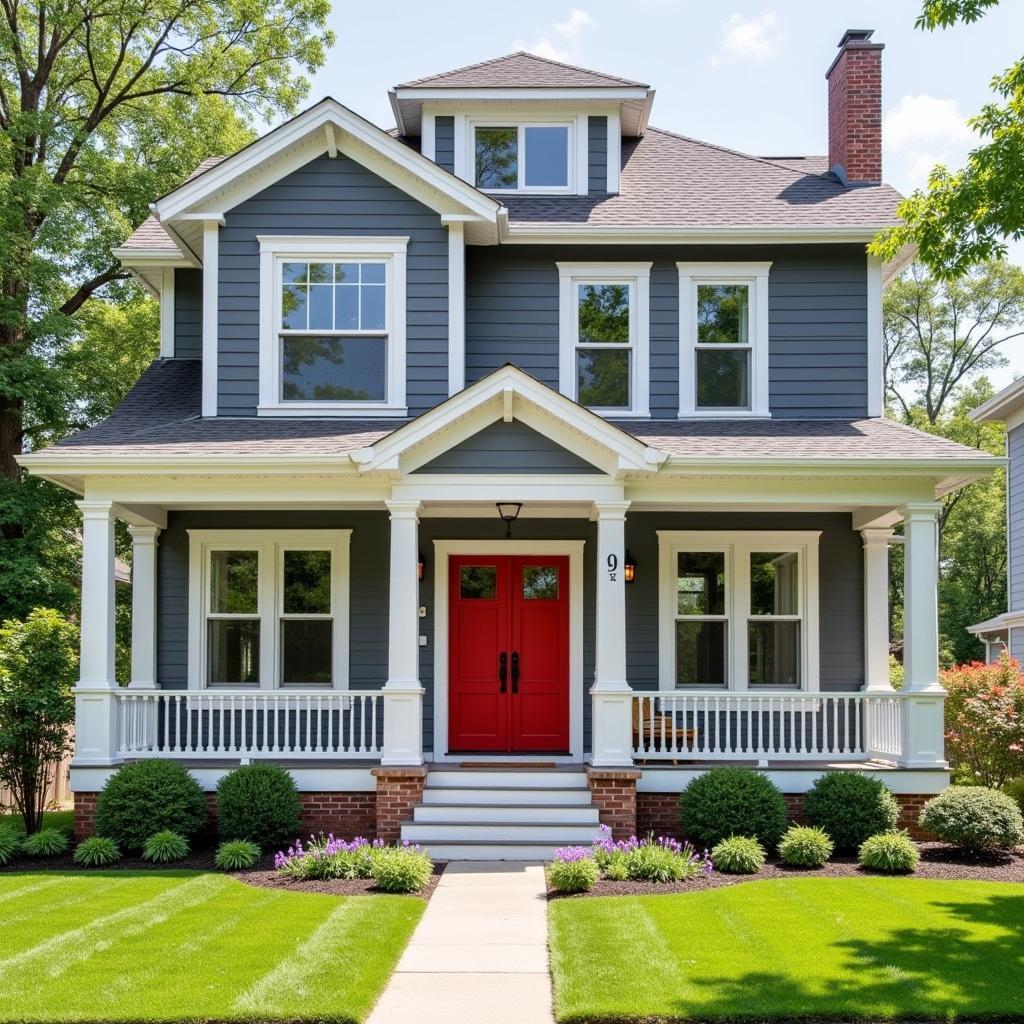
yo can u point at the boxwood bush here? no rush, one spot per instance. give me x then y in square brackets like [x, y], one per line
[147, 797]
[738, 855]
[732, 801]
[892, 852]
[850, 807]
[258, 802]
[975, 818]
[805, 846]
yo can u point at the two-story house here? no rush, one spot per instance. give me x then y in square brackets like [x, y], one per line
[502, 470]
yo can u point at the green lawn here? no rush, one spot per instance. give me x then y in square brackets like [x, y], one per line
[51, 819]
[841, 948]
[188, 946]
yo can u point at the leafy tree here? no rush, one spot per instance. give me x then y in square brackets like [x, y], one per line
[965, 217]
[38, 665]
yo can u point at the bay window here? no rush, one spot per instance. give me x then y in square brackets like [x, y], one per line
[738, 610]
[268, 609]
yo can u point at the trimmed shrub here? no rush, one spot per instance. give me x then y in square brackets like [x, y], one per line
[147, 797]
[1014, 789]
[805, 846]
[575, 875]
[656, 862]
[850, 807]
[399, 869]
[236, 855]
[738, 855]
[10, 842]
[892, 852]
[48, 842]
[96, 852]
[164, 847]
[258, 802]
[733, 801]
[974, 818]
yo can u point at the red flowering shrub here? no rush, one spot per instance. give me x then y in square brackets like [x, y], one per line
[985, 720]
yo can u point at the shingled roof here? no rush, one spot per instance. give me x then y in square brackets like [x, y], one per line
[521, 70]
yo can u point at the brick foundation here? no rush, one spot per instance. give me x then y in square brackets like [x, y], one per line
[613, 792]
[85, 814]
[398, 791]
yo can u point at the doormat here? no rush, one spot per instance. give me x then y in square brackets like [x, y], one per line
[507, 764]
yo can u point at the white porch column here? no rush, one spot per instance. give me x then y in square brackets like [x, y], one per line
[612, 739]
[95, 708]
[403, 694]
[144, 542]
[923, 742]
[876, 609]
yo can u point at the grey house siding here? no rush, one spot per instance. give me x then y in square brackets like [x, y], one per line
[597, 154]
[444, 143]
[508, 448]
[332, 197]
[817, 313]
[1015, 522]
[1016, 643]
[188, 314]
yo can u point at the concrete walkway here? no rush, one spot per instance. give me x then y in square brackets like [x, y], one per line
[479, 954]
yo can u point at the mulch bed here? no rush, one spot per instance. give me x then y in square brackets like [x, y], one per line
[937, 861]
[264, 879]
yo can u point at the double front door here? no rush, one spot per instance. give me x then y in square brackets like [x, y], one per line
[508, 658]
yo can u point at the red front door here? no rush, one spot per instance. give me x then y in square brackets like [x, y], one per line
[508, 656]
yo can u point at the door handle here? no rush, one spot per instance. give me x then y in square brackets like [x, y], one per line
[515, 671]
[502, 669]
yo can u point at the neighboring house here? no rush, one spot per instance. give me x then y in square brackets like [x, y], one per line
[1006, 632]
[659, 361]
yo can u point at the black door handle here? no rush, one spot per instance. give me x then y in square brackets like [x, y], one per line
[515, 671]
[502, 669]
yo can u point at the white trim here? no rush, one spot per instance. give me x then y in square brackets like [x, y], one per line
[167, 313]
[428, 145]
[144, 614]
[519, 95]
[567, 233]
[456, 308]
[274, 249]
[614, 152]
[921, 782]
[755, 276]
[89, 779]
[444, 548]
[211, 313]
[270, 545]
[876, 383]
[582, 154]
[737, 545]
[638, 277]
[520, 121]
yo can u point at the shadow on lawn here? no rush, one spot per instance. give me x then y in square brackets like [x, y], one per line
[913, 973]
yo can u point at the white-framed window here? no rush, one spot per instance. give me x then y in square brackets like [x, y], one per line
[604, 330]
[723, 339]
[533, 156]
[332, 326]
[738, 610]
[268, 609]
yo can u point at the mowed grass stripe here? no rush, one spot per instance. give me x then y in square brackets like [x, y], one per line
[69, 906]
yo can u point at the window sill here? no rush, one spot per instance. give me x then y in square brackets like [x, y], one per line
[323, 410]
[617, 414]
[725, 414]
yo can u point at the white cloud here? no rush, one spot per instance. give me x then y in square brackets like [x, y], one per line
[560, 40]
[919, 132]
[756, 38]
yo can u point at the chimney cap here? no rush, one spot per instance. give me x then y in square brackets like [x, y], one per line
[857, 35]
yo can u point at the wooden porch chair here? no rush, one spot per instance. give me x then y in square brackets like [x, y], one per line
[650, 729]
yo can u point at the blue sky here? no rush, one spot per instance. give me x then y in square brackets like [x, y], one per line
[745, 75]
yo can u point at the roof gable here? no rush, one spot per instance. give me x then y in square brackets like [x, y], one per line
[520, 70]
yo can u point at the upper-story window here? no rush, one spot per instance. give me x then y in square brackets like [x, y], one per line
[723, 332]
[523, 157]
[332, 334]
[604, 336]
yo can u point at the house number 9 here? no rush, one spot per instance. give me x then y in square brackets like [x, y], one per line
[613, 565]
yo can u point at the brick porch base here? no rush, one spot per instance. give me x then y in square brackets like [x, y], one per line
[613, 793]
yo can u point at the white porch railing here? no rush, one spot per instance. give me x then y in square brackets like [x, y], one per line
[234, 723]
[777, 726]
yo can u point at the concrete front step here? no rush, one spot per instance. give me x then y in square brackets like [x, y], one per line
[511, 778]
[573, 814]
[474, 796]
[551, 833]
[484, 850]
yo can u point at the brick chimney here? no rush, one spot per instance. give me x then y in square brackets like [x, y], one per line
[855, 108]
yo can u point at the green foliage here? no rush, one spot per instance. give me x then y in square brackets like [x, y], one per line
[805, 847]
[236, 855]
[97, 852]
[401, 869]
[895, 672]
[732, 801]
[573, 875]
[738, 855]
[984, 712]
[258, 802]
[944, 13]
[652, 862]
[891, 852]
[1014, 789]
[10, 842]
[48, 842]
[164, 847]
[38, 667]
[615, 868]
[975, 818]
[146, 797]
[850, 807]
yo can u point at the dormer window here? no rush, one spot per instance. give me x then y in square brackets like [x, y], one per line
[525, 157]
